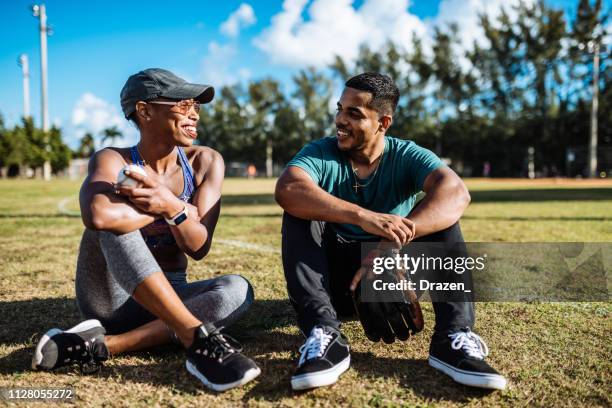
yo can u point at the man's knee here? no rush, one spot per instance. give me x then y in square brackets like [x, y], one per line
[451, 234]
[296, 229]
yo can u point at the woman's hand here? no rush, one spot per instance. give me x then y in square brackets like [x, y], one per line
[193, 212]
[152, 197]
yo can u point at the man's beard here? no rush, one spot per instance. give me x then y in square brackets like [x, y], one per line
[356, 143]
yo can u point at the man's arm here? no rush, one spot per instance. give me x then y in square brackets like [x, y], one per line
[101, 208]
[298, 194]
[446, 198]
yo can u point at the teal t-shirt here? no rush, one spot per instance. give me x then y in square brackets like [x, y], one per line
[391, 189]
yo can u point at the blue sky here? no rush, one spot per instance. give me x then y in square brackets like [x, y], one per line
[96, 45]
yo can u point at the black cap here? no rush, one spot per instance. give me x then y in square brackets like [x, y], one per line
[156, 82]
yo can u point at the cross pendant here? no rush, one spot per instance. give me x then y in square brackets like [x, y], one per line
[356, 186]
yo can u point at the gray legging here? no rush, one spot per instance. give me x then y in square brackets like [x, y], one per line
[110, 266]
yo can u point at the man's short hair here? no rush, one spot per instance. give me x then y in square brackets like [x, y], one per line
[385, 94]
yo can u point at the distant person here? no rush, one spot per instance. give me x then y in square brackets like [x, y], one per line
[131, 271]
[361, 186]
[251, 171]
[486, 169]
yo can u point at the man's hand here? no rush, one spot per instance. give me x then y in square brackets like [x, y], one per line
[366, 263]
[152, 197]
[357, 278]
[397, 226]
[391, 227]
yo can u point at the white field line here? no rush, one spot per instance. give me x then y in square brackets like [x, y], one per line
[61, 207]
[246, 245]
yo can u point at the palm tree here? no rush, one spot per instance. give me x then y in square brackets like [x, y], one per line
[111, 133]
[86, 146]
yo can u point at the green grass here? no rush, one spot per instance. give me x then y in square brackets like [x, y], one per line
[554, 354]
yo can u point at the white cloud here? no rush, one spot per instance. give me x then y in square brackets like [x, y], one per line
[93, 114]
[215, 65]
[334, 28]
[465, 13]
[244, 74]
[217, 68]
[218, 65]
[242, 17]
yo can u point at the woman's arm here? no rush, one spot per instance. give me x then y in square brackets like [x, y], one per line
[194, 235]
[101, 208]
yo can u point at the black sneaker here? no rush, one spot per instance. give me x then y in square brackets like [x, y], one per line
[216, 360]
[461, 356]
[325, 355]
[83, 345]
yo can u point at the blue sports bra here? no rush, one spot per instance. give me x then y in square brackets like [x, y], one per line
[158, 234]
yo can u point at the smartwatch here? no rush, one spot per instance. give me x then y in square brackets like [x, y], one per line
[178, 218]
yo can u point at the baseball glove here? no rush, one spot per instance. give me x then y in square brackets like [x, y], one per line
[387, 317]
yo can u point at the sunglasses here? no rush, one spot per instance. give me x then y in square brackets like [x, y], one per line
[183, 106]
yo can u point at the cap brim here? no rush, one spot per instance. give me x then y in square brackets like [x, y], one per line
[200, 93]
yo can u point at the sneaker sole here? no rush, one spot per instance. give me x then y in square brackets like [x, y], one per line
[83, 326]
[320, 378]
[248, 376]
[471, 378]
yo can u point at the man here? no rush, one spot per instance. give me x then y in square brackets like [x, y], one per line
[361, 186]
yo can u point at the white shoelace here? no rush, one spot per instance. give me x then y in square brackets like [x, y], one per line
[471, 343]
[315, 345]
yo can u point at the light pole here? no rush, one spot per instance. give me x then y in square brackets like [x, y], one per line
[41, 12]
[531, 162]
[593, 47]
[25, 71]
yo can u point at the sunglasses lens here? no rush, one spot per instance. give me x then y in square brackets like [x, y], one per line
[185, 106]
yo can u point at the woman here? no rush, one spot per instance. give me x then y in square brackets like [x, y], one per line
[130, 280]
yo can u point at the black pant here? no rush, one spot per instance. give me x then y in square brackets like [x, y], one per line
[319, 266]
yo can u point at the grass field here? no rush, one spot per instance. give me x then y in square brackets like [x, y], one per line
[554, 354]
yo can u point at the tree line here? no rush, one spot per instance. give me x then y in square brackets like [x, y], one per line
[482, 107]
[490, 109]
[26, 147]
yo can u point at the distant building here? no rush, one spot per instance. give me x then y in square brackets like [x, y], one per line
[77, 169]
